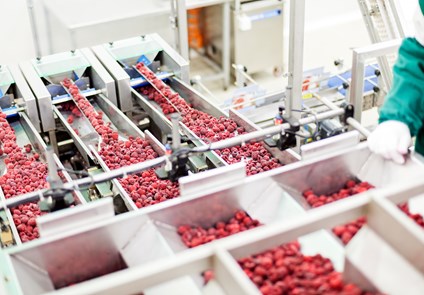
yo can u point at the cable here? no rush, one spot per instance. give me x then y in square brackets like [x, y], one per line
[316, 121]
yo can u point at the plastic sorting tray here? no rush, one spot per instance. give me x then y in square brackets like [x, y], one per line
[27, 134]
[88, 139]
[329, 173]
[369, 261]
[372, 260]
[262, 199]
[90, 251]
[408, 242]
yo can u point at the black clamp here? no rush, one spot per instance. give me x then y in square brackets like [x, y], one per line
[287, 139]
[349, 111]
[178, 165]
[55, 200]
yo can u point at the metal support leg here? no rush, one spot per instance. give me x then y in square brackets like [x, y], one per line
[296, 37]
[49, 31]
[226, 28]
[360, 56]
[30, 5]
[357, 85]
[179, 22]
[297, 26]
[53, 141]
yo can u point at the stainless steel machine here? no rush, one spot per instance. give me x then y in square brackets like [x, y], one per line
[108, 243]
[149, 256]
[45, 73]
[119, 57]
[16, 96]
[258, 29]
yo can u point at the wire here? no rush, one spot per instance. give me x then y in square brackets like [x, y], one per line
[316, 121]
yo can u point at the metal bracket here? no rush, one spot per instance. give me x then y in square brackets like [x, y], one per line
[349, 112]
[287, 139]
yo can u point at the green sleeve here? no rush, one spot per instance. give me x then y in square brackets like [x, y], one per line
[405, 101]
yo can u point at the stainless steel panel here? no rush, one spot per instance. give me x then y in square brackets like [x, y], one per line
[208, 181]
[100, 78]
[228, 270]
[42, 95]
[157, 116]
[86, 134]
[11, 222]
[329, 145]
[155, 143]
[196, 99]
[31, 273]
[172, 60]
[242, 121]
[374, 263]
[24, 91]
[134, 280]
[87, 252]
[329, 173]
[33, 135]
[122, 79]
[264, 40]
[121, 122]
[262, 199]
[396, 227]
[129, 203]
[66, 220]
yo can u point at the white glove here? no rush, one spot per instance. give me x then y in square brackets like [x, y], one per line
[391, 139]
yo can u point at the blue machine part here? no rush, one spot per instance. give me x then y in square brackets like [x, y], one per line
[1, 93]
[75, 76]
[337, 81]
[144, 60]
[11, 109]
[56, 90]
[265, 15]
[82, 83]
[162, 76]
[132, 73]
[67, 95]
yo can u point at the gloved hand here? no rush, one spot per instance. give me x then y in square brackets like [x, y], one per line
[391, 139]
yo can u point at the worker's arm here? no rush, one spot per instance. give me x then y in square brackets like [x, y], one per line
[402, 114]
[405, 101]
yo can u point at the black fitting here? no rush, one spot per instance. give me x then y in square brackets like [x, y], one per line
[179, 167]
[179, 162]
[345, 85]
[349, 112]
[288, 139]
